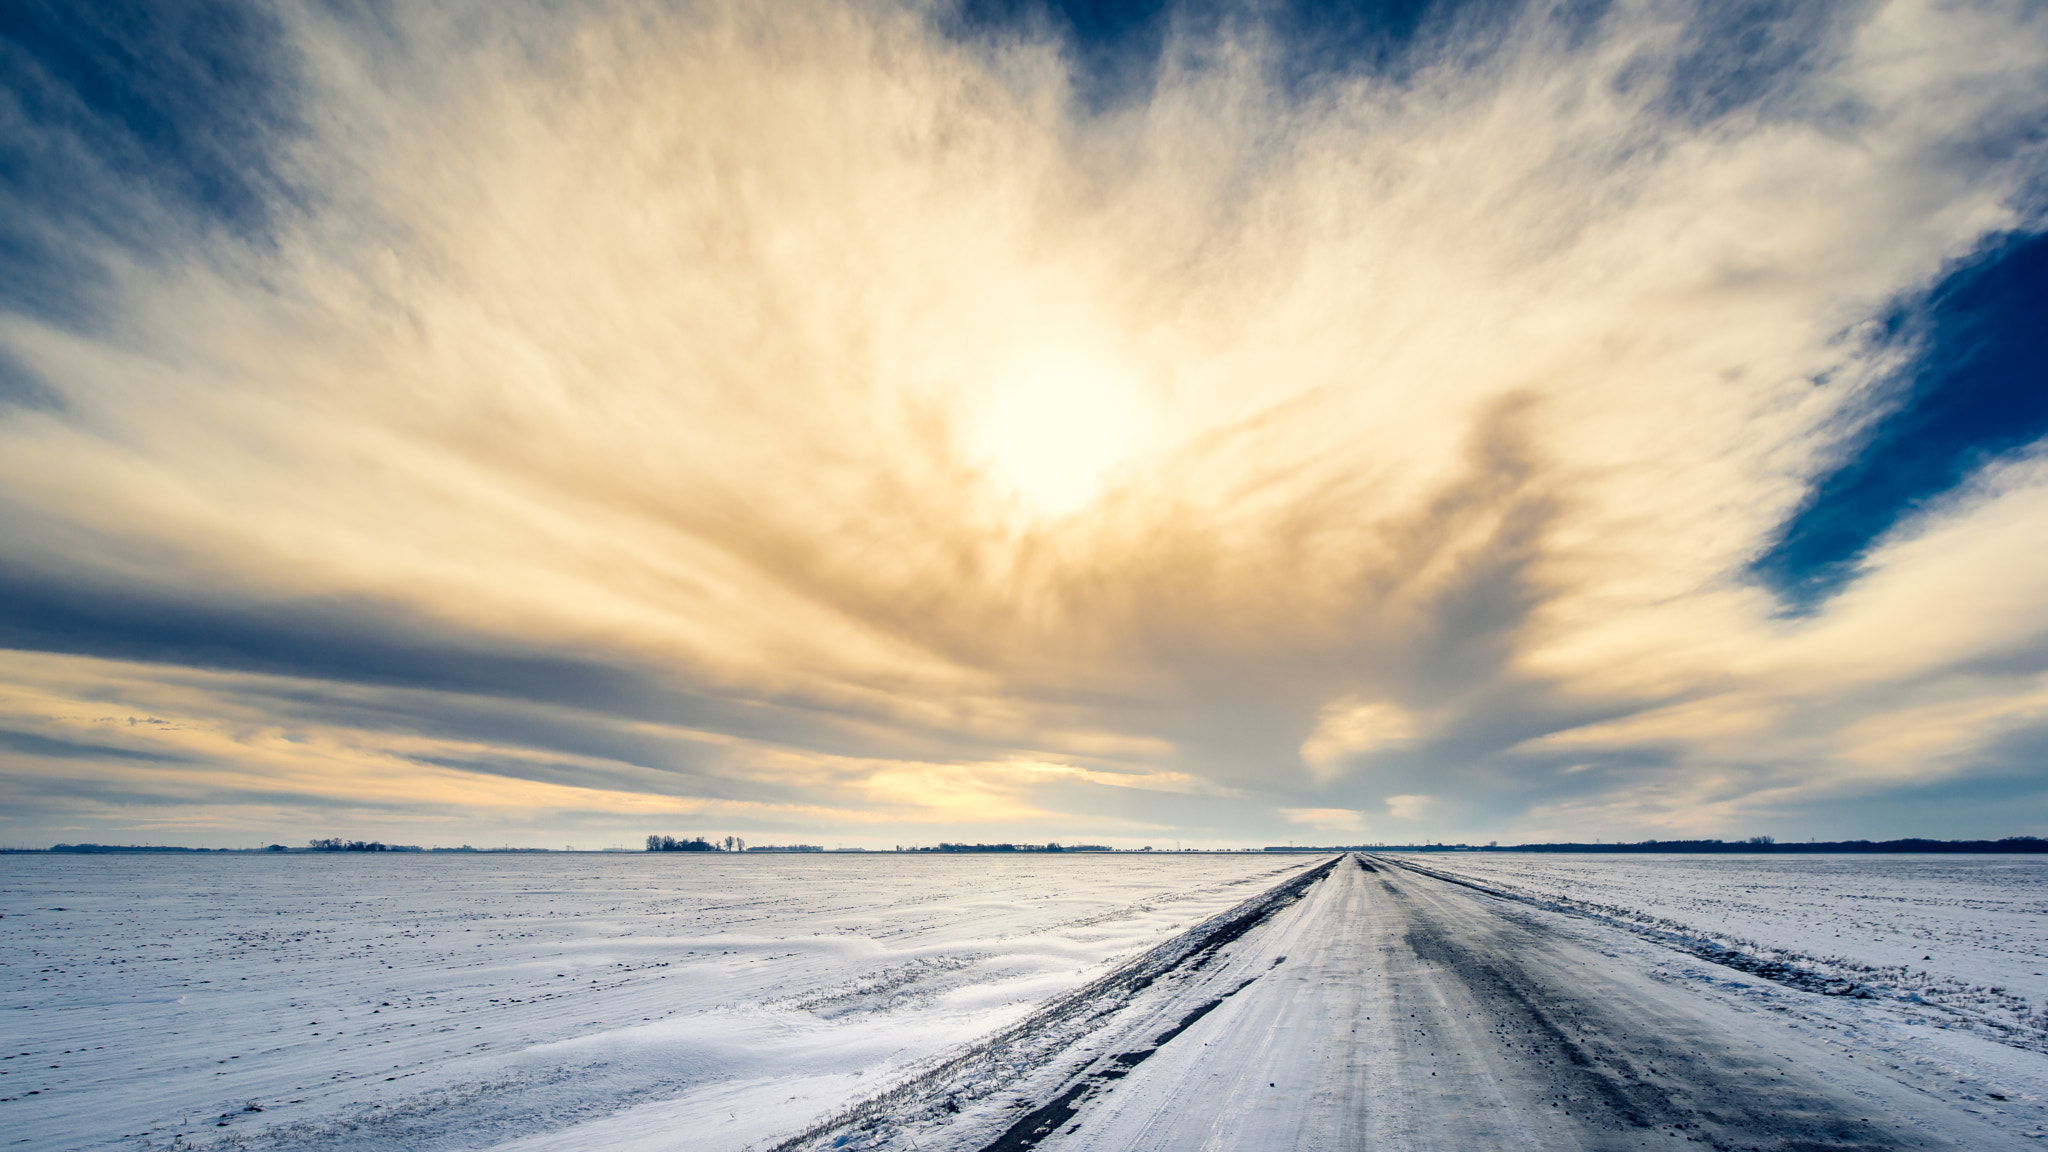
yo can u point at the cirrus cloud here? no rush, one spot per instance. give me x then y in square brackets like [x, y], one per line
[824, 418]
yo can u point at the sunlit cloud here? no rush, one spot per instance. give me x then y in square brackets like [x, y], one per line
[1408, 807]
[1343, 821]
[1349, 727]
[814, 418]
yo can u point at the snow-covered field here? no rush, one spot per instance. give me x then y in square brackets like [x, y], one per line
[498, 1000]
[564, 1002]
[1396, 1011]
[1963, 939]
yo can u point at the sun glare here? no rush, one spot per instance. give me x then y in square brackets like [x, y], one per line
[1056, 428]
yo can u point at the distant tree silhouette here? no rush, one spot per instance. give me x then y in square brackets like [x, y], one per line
[671, 844]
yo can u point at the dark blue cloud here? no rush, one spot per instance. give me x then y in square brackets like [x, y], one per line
[31, 744]
[346, 641]
[1978, 391]
[1325, 40]
[1116, 48]
[2002, 793]
[342, 641]
[119, 115]
[318, 639]
[1739, 56]
[21, 386]
[1729, 57]
[641, 759]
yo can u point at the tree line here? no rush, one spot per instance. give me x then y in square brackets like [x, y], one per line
[695, 844]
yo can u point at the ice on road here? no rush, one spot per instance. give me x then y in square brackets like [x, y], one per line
[978, 1004]
[1388, 1009]
[1964, 934]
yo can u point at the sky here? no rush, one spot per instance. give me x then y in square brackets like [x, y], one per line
[864, 423]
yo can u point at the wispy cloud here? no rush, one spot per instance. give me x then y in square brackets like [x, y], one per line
[811, 416]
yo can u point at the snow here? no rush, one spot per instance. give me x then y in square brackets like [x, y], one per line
[557, 1002]
[1388, 1009]
[1391, 1010]
[1955, 1037]
[1966, 936]
[535, 1001]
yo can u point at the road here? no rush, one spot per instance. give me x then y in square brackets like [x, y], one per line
[1390, 1010]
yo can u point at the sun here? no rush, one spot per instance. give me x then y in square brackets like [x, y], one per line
[1056, 426]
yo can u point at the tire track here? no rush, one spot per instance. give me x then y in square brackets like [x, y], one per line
[1413, 1016]
[1040, 1039]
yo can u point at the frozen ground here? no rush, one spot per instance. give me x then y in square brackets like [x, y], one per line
[984, 1004]
[1965, 936]
[437, 1002]
[1389, 1008]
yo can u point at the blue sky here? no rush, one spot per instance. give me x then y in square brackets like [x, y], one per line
[1969, 395]
[884, 424]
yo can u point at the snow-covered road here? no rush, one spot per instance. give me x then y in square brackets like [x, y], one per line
[1964, 936]
[973, 1004]
[1388, 1009]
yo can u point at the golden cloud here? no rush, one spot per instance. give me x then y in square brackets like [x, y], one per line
[959, 443]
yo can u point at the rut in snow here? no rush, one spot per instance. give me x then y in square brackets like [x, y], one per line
[1777, 971]
[989, 1065]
